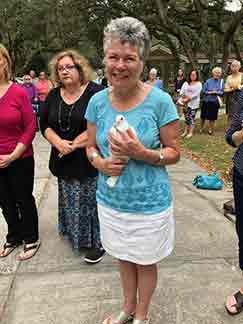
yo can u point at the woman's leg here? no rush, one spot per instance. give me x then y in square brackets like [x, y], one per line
[95, 225]
[90, 218]
[186, 130]
[211, 126]
[203, 115]
[128, 274]
[191, 121]
[147, 282]
[9, 210]
[238, 194]
[62, 204]
[22, 176]
[202, 125]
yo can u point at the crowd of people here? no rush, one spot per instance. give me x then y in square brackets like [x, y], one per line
[190, 95]
[115, 126]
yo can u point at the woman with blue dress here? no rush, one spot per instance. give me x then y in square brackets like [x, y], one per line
[153, 79]
[213, 91]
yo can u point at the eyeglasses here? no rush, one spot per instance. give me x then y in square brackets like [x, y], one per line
[67, 67]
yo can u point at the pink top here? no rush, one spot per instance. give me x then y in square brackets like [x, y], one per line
[17, 121]
[42, 87]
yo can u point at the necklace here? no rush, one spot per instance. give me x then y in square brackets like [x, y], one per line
[68, 127]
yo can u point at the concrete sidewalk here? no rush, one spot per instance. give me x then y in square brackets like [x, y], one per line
[57, 287]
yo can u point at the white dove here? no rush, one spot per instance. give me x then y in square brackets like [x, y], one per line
[120, 126]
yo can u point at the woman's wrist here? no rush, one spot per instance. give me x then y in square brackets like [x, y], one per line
[13, 157]
[96, 160]
[154, 157]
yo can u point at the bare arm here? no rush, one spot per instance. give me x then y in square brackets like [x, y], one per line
[63, 146]
[109, 166]
[81, 140]
[19, 150]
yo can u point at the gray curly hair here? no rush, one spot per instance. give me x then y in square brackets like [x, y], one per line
[131, 30]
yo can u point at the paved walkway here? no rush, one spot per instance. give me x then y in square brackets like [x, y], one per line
[57, 287]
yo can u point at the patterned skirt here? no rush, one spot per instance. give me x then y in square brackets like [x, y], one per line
[77, 213]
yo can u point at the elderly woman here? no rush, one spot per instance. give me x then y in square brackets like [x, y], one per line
[233, 90]
[63, 125]
[213, 91]
[135, 213]
[153, 80]
[234, 137]
[17, 131]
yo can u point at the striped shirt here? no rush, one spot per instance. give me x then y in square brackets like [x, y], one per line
[236, 125]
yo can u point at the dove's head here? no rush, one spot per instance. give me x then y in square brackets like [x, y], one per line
[121, 123]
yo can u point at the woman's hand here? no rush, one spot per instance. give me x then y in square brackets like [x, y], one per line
[127, 144]
[75, 145]
[112, 166]
[5, 160]
[64, 147]
[213, 92]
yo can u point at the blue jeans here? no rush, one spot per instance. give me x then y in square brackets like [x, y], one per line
[238, 197]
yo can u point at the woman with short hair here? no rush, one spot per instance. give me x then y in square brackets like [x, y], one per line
[213, 91]
[153, 79]
[135, 210]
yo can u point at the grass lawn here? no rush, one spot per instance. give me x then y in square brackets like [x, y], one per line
[210, 152]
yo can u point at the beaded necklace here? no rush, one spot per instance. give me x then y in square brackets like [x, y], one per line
[65, 129]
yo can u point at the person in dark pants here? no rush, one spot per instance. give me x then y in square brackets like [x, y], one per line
[234, 137]
[17, 131]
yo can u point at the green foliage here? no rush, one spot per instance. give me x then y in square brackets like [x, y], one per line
[211, 152]
[33, 27]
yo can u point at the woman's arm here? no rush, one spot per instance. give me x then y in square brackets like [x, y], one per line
[234, 134]
[227, 87]
[183, 89]
[220, 91]
[80, 141]
[205, 88]
[6, 159]
[28, 134]
[110, 166]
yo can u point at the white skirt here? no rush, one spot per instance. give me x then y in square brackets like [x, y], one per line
[138, 238]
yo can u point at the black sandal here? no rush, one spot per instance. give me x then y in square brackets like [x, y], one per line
[238, 305]
[33, 247]
[10, 246]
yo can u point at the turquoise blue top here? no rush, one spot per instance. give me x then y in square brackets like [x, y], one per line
[141, 188]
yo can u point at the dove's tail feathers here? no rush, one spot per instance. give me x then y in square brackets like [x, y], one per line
[111, 181]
